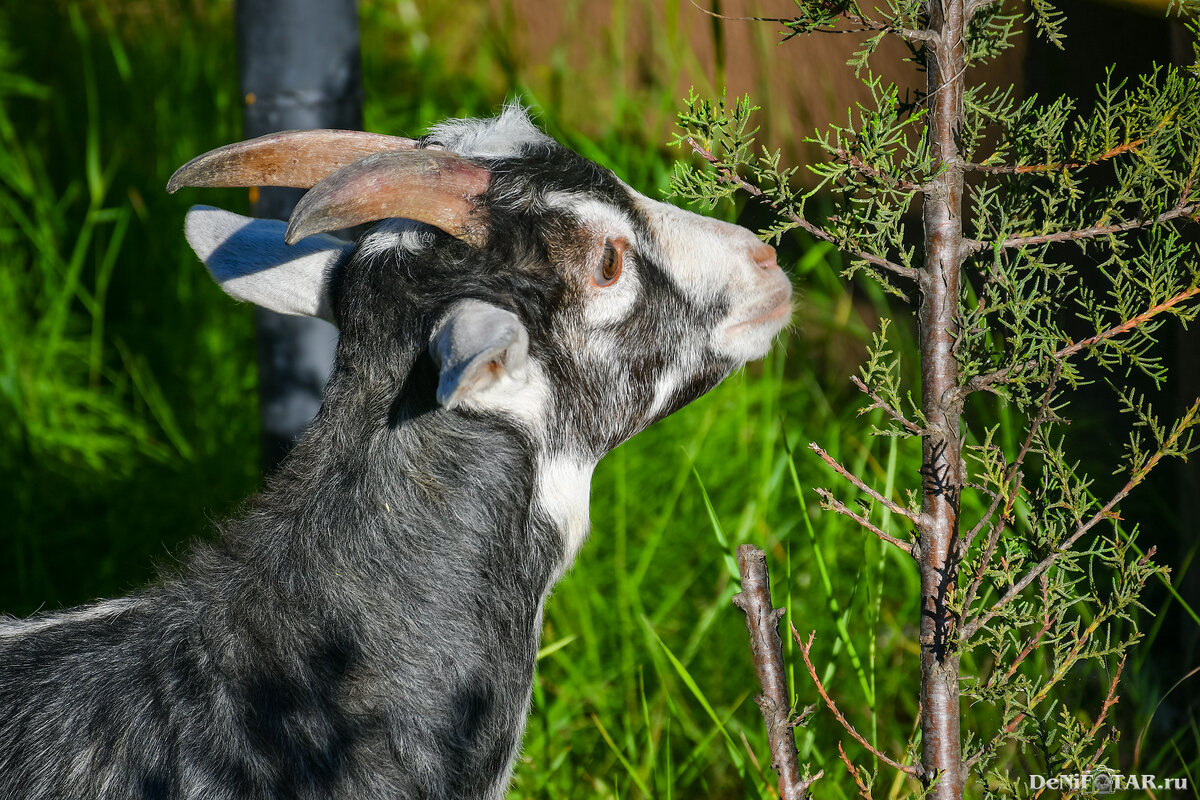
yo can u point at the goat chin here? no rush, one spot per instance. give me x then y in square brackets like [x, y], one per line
[368, 626]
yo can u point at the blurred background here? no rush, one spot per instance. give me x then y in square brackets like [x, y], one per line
[128, 418]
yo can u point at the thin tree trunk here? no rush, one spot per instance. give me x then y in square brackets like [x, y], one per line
[942, 446]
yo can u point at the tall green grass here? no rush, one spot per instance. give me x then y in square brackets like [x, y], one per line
[126, 382]
[128, 420]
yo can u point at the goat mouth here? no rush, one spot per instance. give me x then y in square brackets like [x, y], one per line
[777, 315]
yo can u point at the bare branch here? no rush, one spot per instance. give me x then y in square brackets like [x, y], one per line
[805, 647]
[975, 245]
[1002, 375]
[892, 506]
[762, 621]
[942, 467]
[878, 402]
[810, 780]
[729, 176]
[863, 791]
[833, 504]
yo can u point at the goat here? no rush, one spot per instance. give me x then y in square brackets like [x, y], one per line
[368, 626]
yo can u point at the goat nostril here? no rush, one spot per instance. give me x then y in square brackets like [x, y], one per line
[764, 257]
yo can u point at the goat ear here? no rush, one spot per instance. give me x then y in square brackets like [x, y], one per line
[250, 261]
[477, 345]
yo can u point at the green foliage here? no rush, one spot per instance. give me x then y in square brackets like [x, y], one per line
[716, 128]
[1047, 20]
[882, 373]
[818, 15]
[989, 33]
[1079, 257]
[60, 403]
[122, 382]
[1140, 134]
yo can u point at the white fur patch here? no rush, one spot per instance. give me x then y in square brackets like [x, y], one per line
[705, 257]
[405, 235]
[747, 332]
[251, 262]
[502, 136]
[668, 384]
[604, 219]
[106, 609]
[524, 397]
[563, 492]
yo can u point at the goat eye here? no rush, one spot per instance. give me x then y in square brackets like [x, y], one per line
[609, 268]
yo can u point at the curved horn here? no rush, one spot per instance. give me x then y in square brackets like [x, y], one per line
[432, 186]
[292, 158]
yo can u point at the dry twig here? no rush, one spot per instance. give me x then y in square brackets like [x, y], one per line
[762, 621]
[892, 506]
[863, 791]
[805, 647]
[833, 504]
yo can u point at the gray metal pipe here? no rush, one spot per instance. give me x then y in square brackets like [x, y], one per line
[300, 67]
